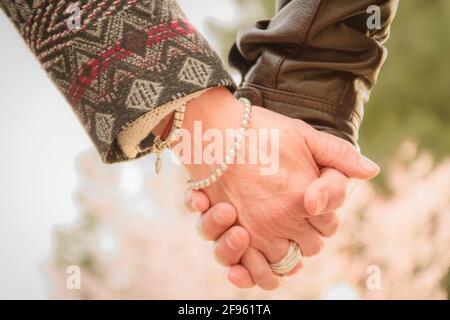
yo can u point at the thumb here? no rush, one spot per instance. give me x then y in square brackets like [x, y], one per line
[331, 151]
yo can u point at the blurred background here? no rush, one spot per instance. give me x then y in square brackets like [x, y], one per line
[60, 206]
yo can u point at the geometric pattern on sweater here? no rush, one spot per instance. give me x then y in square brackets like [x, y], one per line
[127, 58]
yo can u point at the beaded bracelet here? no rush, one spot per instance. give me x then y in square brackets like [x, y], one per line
[197, 185]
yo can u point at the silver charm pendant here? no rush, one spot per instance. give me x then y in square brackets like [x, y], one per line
[158, 164]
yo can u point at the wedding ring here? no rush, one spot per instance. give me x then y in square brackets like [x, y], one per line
[288, 263]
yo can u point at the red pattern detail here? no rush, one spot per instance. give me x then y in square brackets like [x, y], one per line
[89, 72]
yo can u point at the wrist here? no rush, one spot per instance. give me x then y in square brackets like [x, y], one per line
[215, 110]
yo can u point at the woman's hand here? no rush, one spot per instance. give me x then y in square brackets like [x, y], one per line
[276, 208]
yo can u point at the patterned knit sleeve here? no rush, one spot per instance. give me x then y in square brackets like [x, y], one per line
[123, 65]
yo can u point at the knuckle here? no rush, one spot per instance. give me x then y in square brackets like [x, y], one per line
[337, 193]
[326, 151]
[261, 225]
[288, 215]
[237, 238]
[331, 149]
[340, 150]
[281, 219]
[259, 275]
[223, 214]
[343, 149]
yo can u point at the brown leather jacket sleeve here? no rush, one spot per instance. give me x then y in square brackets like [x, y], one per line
[315, 60]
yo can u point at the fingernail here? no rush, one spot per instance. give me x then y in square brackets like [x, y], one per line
[368, 165]
[219, 216]
[233, 241]
[322, 201]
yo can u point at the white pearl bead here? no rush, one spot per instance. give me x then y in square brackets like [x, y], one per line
[231, 153]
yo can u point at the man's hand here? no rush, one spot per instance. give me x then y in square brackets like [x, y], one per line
[286, 205]
[217, 223]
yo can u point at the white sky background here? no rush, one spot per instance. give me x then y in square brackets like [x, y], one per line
[40, 138]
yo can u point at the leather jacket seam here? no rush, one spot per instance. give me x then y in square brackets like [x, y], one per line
[344, 92]
[310, 23]
[325, 109]
[290, 94]
[277, 73]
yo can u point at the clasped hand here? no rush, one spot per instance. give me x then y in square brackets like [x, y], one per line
[251, 216]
